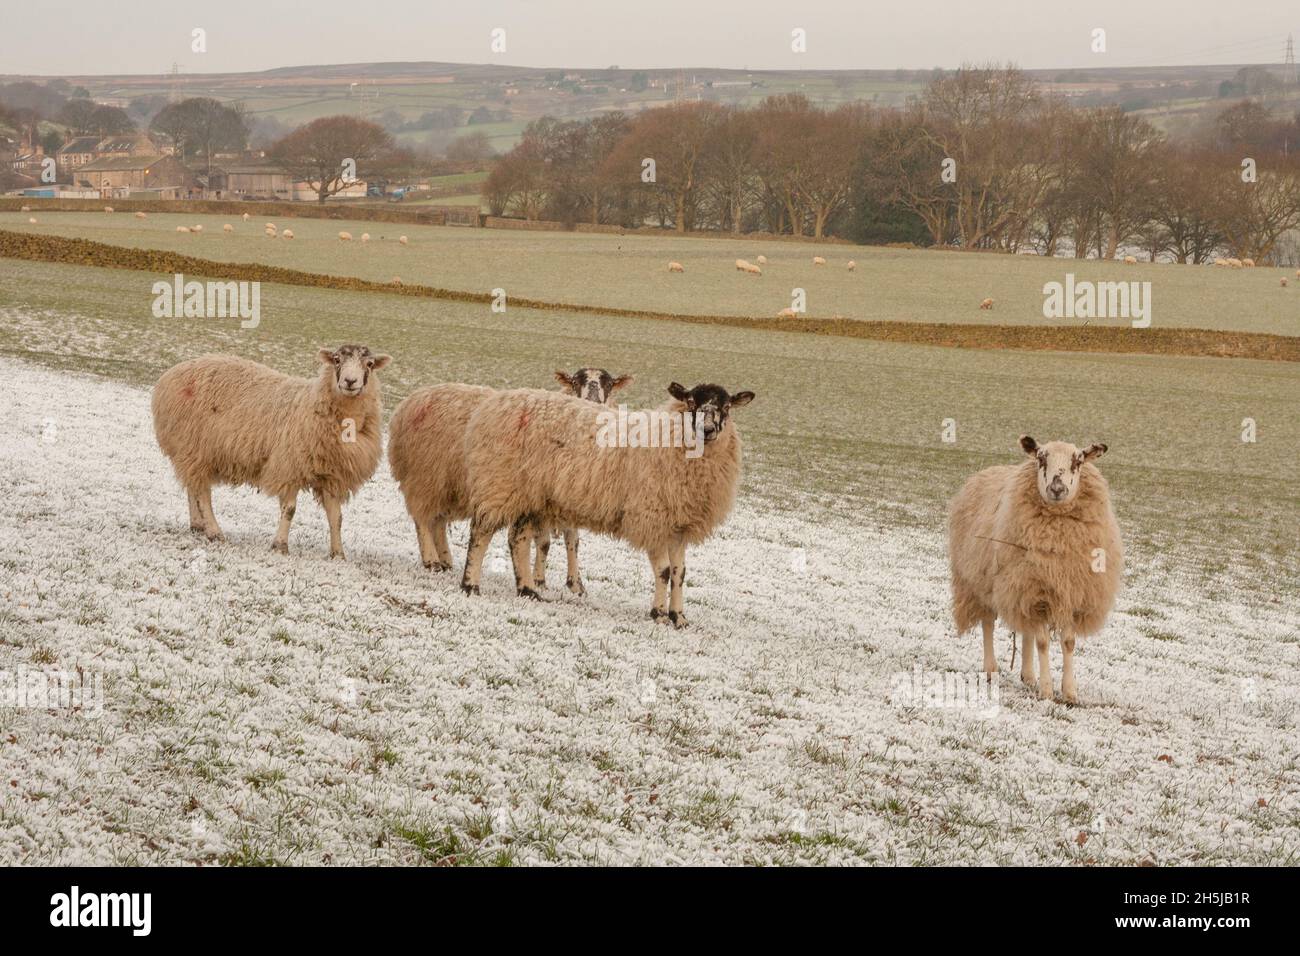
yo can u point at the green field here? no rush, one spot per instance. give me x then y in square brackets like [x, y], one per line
[631, 271]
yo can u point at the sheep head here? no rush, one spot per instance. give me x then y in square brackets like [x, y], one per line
[1059, 465]
[593, 384]
[352, 365]
[709, 405]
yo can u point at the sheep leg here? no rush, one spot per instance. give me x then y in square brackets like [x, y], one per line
[334, 512]
[480, 536]
[543, 549]
[990, 662]
[574, 579]
[1027, 659]
[677, 572]
[288, 505]
[438, 535]
[426, 545]
[661, 567]
[196, 517]
[1041, 640]
[520, 538]
[203, 501]
[1068, 690]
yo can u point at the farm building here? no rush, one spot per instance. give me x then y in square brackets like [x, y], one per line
[251, 181]
[75, 153]
[118, 177]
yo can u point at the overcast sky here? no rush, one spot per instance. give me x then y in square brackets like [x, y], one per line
[55, 37]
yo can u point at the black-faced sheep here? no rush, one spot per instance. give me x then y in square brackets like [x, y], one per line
[538, 457]
[426, 455]
[226, 420]
[1036, 545]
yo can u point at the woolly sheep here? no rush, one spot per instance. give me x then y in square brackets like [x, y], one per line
[537, 456]
[226, 420]
[1297, 273]
[1037, 545]
[108, 209]
[228, 228]
[25, 209]
[986, 304]
[1284, 282]
[748, 267]
[741, 264]
[403, 240]
[196, 229]
[1235, 263]
[1248, 263]
[851, 265]
[675, 267]
[1130, 260]
[272, 226]
[287, 234]
[365, 237]
[818, 261]
[182, 228]
[141, 215]
[345, 236]
[762, 260]
[1220, 262]
[31, 220]
[395, 280]
[787, 313]
[426, 455]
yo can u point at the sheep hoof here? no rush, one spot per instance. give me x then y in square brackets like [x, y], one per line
[280, 546]
[527, 592]
[469, 588]
[576, 587]
[198, 529]
[540, 584]
[337, 554]
[214, 535]
[658, 615]
[1045, 692]
[677, 618]
[437, 566]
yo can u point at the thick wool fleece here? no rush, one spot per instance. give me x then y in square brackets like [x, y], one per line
[426, 449]
[226, 420]
[534, 454]
[1032, 564]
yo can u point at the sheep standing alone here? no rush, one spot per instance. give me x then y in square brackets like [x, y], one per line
[345, 236]
[227, 228]
[141, 215]
[365, 237]
[403, 240]
[247, 217]
[182, 228]
[108, 209]
[537, 456]
[226, 420]
[426, 455]
[762, 260]
[287, 234]
[1248, 263]
[851, 265]
[1037, 545]
[986, 304]
[675, 267]
[1130, 260]
[818, 261]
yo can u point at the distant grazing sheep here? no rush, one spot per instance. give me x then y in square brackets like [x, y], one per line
[818, 261]
[1130, 260]
[196, 229]
[535, 456]
[25, 209]
[403, 240]
[426, 455]
[1221, 262]
[986, 304]
[1248, 263]
[247, 217]
[762, 260]
[675, 267]
[1037, 545]
[851, 265]
[141, 215]
[108, 209]
[345, 236]
[182, 228]
[228, 228]
[365, 237]
[226, 420]
[748, 267]
[31, 220]
[1284, 282]
[287, 234]
[1235, 263]
[787, 313]
[395, 280]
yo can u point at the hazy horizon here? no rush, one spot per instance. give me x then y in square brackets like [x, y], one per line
[81, 38]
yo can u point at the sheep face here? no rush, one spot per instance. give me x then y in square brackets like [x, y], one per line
[593, 384]
[352, 367]
[1059, 463]
[709, 405]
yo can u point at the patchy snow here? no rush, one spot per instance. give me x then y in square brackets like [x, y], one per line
[299, 710]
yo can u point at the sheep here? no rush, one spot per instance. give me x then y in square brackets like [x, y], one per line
[108, 209]
[762, 260]
[741, 265]
[675, 267]
[787, 313]
[818, 261]
[986, 304]
[272, 226]
[25, 209]
[345, 236]
[748, 267]
[426, 455]
[196, 229]
[365, 237]
[1130, 260]
[141, 215]
[535, 456]
[1248, 263]
[1220, 262]
[226, 420]
[850, 265]
[395, 280]
[1037, 545]
[287, 234]
[227, 228]
[247, 217]
[31, 220]
[403, 240]
[182, 228]
[1297, 273]
[1235, 263]
[1284, 282]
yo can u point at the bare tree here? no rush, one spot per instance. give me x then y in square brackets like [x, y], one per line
[328, 152]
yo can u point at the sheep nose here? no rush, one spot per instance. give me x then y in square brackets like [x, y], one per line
[350, 382]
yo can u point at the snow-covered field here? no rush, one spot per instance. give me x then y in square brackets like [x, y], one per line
[258, 708]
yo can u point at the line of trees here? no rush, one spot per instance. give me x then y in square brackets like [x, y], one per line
[981, 160]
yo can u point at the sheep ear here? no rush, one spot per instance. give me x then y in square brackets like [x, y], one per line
[1029, 445]
[564, 379]
[620, 382]
[741, 398]
[679, 393]
[1095, 450]
[380, 361]
[326, 356]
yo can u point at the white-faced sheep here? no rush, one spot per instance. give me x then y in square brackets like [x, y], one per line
[741, 264]
[365, 237]
[395, 280]
[1130, 260]
[675, 267]
[850, 265]
[226, 420]
[426, 455]
[403, 240]
[345, 236]
[818, 261]
[537, 456]
[287, 234]
[1036, 545]
[986, 304]
[748, 267]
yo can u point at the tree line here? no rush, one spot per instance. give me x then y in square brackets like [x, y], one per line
[982, 159]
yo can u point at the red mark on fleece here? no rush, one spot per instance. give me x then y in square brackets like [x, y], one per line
[523, 421]
[188, 390]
